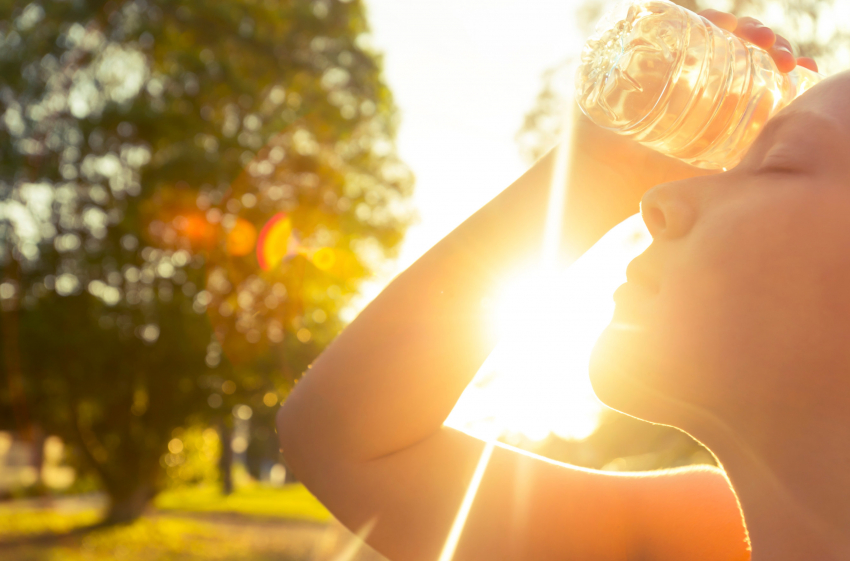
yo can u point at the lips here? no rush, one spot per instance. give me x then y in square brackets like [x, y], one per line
[633, 296]
[630, 292]
[642, 272]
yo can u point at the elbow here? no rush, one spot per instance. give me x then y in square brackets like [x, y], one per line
[308, 440]
[300, 444]
[297, 440]
[287, 434]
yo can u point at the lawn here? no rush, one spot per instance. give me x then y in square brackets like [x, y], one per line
[256, 523]
[292, 501]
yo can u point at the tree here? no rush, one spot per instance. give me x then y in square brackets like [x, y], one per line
[819, 29]
[143, 146]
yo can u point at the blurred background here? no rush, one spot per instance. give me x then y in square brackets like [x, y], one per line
[196, 196]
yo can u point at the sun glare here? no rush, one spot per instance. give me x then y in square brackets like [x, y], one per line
[535, 383]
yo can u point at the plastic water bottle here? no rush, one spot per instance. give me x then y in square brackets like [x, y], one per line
[677, 83]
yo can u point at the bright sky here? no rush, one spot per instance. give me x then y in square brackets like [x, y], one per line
[464, 73]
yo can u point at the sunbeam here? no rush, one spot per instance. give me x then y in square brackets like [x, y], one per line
[356, 544]
[551, 242]
[463, 512]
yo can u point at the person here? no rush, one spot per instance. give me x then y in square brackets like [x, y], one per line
[733, 327]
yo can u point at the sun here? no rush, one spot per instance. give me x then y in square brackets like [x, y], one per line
[535, 383]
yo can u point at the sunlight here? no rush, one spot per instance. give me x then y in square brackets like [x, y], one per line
[535, 383]
[356, 544]
[463, 512]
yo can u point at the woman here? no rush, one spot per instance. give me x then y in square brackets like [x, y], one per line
[733, 327]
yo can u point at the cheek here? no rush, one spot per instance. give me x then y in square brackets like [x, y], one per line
[755, 291]
[754, 299]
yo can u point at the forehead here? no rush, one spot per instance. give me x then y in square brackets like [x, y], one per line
[828, 99]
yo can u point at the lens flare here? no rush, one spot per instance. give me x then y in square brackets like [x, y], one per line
[275, 242]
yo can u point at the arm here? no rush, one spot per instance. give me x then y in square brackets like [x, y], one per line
[363, 430]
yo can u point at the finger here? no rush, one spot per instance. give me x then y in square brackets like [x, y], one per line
[807, 62]
[754, 31]
[723, 20]
[782, 54]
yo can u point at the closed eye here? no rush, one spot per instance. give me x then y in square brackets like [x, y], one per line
[779, 168]
[782, 161]
[797, 142]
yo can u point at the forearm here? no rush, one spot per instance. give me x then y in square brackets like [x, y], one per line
[391, 378]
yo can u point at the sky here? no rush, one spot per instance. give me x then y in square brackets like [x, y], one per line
[464, 73]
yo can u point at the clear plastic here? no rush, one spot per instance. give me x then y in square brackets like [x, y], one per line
[677, 83]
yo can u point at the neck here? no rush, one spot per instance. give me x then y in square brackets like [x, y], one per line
[793, 486]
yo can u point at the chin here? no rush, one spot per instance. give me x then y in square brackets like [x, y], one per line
[623, 375]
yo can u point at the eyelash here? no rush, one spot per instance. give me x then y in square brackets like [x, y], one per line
[778, 164]
[779, 168]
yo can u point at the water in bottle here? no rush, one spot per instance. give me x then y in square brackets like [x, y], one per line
[677, 83]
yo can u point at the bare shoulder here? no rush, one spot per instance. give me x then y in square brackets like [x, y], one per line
[528, 507]
[689, 513]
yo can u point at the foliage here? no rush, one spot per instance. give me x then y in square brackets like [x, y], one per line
[142, 147]
[191, 457]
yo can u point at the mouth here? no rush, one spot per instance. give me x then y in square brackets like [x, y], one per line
[642, 273]
[633, 296]
[631, 293]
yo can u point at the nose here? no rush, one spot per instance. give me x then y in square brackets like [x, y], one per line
[668, 211]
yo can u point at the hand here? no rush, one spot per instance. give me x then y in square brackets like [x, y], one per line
[752, 30]
[636, 168]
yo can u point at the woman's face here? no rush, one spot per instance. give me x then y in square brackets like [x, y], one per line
[742, 302]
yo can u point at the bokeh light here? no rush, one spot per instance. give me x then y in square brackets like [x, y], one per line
[241, 238]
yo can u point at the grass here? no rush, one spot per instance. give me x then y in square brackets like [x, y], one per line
[150, 539]
[24, 522]
[292, 501]
[173, 531]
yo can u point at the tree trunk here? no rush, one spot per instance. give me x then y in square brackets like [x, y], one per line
[129, 504]
[37, 455]
[9, 318]
[225, 461]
